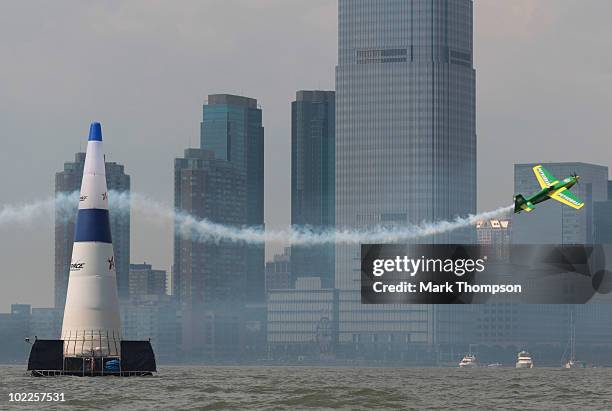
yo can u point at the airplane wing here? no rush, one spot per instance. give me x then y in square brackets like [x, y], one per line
[568, 198]
[545, 178]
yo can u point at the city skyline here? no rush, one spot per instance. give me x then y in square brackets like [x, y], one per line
[61, 124]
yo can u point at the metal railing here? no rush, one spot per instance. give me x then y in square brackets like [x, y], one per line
[92, 343]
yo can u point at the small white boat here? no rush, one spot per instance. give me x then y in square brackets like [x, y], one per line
[469, 361]
[524, 360]
[494, 365]
[574, 364]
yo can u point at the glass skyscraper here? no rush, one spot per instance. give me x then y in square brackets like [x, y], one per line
[405, 145]
[313, 144]
[232, 128]
[602, 216]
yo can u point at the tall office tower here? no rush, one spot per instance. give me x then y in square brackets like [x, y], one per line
[69, 181]
[592, 324]
[208, 272]
[232, 128]
[313, 146]
[553, 222]
[405, 143]
[210, 278]
[602, 216]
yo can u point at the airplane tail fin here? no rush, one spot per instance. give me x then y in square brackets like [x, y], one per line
[520, 204]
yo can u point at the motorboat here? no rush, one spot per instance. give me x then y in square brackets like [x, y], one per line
[469, 361]
[524, 360]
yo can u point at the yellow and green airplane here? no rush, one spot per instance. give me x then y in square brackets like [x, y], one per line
[551, 188]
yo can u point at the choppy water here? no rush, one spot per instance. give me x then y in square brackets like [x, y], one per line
[280, 388]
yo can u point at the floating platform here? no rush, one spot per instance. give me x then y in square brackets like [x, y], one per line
[47, 359]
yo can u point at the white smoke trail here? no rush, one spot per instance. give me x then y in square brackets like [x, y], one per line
[26, 214]
[203, 230]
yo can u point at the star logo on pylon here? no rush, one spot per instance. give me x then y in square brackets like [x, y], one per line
[104, 196]
[111, 263]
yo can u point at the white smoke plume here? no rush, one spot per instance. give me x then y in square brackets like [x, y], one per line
[202, 230]
[26, 214]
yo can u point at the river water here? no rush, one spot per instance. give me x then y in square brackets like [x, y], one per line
[287, 388]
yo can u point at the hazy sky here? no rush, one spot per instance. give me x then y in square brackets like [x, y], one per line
[143, 68]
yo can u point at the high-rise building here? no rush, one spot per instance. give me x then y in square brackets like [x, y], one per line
[208, 272]
[405, 146]
[553, 222]
[592, 320]
[144, 280]
[313, 145]
[67, 182]
[602, 216]
[209, 277]
[232, 128]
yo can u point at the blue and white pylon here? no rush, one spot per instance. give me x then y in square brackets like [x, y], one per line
[92, 325]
